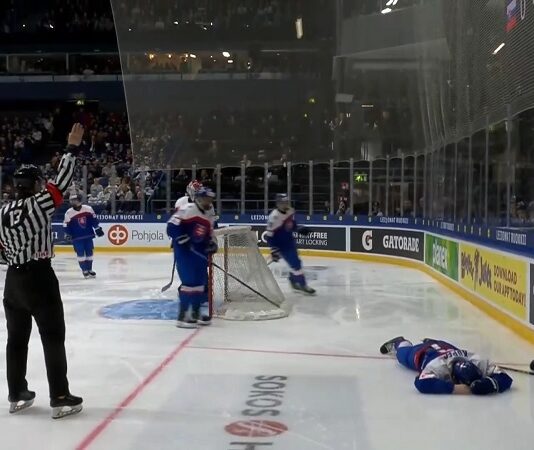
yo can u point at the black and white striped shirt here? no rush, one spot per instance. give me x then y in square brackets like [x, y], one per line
[26, 224]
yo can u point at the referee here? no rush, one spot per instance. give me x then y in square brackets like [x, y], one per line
[31, 287]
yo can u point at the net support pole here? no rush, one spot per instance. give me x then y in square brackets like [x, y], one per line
[266, 188]
[455, 179]
[425, 174]
[415, 185]
[370, 206]
[194, 172]
[351, 187]
[142, 182]
[387, 185]
[243, 193]
[310, 187]
[168, 189]
[84, 183]
[402, 186]
[486, 172]
[509, 125]
[332, 211]
[218, 188]
[470, 179]
[289, 180]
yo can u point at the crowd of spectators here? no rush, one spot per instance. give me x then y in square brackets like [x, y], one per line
[82, 16]
[55, 16]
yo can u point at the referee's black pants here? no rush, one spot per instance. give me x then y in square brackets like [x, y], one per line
[32, 289]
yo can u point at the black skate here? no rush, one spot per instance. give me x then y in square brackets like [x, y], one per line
[304, 289]
[66, 406]
[184, 322]
[389, 346]
[204, 320]
[92, 273]
[20, 402]
[87, 275]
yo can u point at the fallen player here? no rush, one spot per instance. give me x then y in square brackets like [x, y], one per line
[446, 369]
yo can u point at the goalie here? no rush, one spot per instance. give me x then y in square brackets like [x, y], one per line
[446, 369]
[279, 236]
[191, 231]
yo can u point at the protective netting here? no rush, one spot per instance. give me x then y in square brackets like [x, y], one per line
[488, 73]
[257, 295]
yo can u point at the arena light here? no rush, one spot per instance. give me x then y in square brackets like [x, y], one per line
[176, 22]
[386, 10]
[368, 106]
[230, 61]
[226, 54]
[192, 55]
[300, 28]
[169, 56]
[392, 2]
[499, 48]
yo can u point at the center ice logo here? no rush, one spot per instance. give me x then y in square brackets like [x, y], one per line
[118, 235]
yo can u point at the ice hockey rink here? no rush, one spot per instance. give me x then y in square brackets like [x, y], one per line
[314, 380]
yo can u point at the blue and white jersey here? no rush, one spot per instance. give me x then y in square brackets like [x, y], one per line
[182, 202]
[193, 223]
[436, 375]
[280, 228]
[80, 224]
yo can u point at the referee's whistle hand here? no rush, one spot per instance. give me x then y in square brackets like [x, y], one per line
[76, 135]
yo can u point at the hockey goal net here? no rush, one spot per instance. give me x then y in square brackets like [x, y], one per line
[241, 285]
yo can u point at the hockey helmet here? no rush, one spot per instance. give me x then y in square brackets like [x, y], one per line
[192, 188]
[204, 198]
[24, 179]
[465, 372]
[75, 199]
[282, 202]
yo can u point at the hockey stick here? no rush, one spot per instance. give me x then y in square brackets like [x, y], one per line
[235, 278]
[167, 286]
[512, 369]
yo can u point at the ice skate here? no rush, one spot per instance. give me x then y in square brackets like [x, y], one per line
[66, 406]
[87, 275]
[389, 346]
[92, 273]
[304, 289]
[185, 322]
[204, 320]
[21, 402]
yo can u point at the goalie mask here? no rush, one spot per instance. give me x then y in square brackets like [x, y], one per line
[204, 198]
[282, 202]
[192, 189]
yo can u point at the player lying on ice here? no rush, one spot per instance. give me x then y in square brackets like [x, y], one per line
[279, 236]
[446, 369]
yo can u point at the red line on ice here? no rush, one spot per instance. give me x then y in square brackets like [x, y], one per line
[282, 352]
[90, 438]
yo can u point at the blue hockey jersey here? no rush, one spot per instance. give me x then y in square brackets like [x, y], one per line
[193, 225]
[280, 228]
[80, 224]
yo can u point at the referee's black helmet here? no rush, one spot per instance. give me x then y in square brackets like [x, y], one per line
[25, 178]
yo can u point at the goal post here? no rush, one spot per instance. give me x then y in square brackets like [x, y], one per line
[241, 285]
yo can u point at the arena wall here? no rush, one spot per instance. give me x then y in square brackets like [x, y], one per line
[490, 273]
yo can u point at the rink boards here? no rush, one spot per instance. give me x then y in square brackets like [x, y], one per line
[499, 281]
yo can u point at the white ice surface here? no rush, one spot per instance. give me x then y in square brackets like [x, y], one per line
[328, 402]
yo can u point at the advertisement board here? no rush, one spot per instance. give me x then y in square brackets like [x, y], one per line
[384, 241]
[500, 279]
[442, 255]
[320, 238]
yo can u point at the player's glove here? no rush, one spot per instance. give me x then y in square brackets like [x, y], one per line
[275, 255]
[212, 248]
[99, 232]
[305, 231]
[484, 386]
